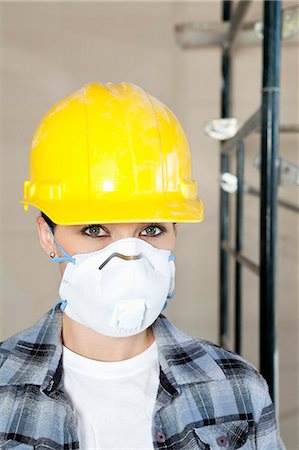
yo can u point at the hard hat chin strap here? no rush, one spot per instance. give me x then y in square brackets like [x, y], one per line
[67, 257]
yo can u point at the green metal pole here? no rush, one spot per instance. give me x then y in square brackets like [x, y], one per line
[224, 196]
[269, 181]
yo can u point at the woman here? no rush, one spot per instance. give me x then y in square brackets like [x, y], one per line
[104, 369]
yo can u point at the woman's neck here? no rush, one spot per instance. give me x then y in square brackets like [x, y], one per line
[87, 342]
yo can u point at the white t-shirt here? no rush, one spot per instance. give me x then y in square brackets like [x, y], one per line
[113, 401]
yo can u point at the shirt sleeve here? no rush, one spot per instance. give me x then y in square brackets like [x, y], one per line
[267, 433]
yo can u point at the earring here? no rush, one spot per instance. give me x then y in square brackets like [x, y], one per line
[52, 254]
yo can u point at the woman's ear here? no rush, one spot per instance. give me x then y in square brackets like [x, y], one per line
[45, 237]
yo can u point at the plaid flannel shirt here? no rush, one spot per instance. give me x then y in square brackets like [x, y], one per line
[208, 397]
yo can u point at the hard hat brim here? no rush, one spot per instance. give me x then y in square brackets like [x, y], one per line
[81, 213]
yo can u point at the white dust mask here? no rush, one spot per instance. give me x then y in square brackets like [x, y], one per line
[119, 290]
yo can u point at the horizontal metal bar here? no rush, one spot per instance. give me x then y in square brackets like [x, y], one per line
[251, 265]
[236, 23]
[249, 126]
[291, 128]
[288, 172]
[283, 203]
[286, 128]
[196, 35]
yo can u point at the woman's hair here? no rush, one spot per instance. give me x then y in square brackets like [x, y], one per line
[49, 221]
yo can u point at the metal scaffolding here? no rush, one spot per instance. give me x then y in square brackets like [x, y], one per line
[266, 117]
[265, 121]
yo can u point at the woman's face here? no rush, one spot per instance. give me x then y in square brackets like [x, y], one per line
[87, 238]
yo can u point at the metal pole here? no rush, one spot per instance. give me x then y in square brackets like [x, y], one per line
[224, 196]
[239, 247]
[269, 181]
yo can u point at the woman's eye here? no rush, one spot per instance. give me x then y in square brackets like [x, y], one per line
[152, 231]
[94, 231]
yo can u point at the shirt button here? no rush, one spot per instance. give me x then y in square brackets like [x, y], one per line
[222, 441]
[160, 437]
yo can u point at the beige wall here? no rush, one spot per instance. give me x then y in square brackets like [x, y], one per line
[49, 50]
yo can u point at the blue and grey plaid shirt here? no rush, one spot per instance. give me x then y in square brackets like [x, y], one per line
[208, 398]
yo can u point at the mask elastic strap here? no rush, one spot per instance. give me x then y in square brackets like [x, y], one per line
[171, 257]
[62, 304]
[67, 257]
[169, 297]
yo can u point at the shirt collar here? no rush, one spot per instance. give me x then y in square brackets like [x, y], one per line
[183, 358]
[35, 356]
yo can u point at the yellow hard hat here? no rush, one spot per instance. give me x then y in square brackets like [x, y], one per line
[111, 153]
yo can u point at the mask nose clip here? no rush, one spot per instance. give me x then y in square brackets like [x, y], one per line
[119, 255]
